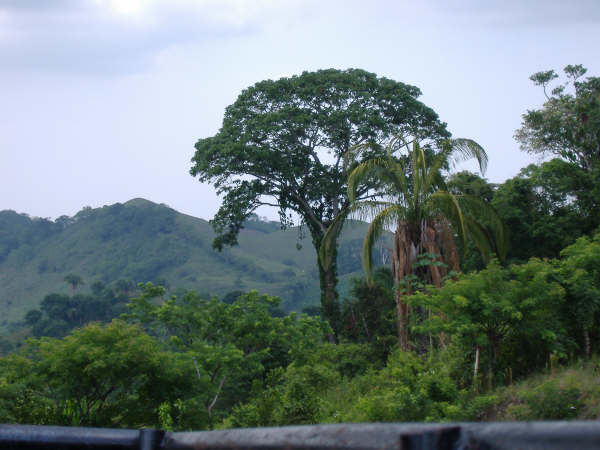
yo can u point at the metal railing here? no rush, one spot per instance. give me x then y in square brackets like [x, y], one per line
[459, 436]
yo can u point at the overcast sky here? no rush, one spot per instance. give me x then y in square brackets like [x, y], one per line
[102, 101]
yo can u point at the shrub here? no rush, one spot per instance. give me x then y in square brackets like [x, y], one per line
[552, 400]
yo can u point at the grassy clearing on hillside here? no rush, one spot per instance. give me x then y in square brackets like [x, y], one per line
[570, 393]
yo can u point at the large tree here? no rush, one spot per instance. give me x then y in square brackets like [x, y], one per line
[283, 143]
[568, 124]
[557, 202]
[414, 201]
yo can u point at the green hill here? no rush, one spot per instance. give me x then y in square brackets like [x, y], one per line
[143, 241]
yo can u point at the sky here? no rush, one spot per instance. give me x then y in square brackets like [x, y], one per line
[101, 101]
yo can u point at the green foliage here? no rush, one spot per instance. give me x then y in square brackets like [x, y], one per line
[547, 207]
[410, 196]
[472, 408]
[300, 396]
[551, 400]
[473, 185]
[19, 234]
[571, 392]
[579, 269]
[307, 390]
[410, 388]
[191, 361]
[111, 376]
[420, 198]
[283, 143]
[369, 315]
[273, 130]
[511, 314]
[73, 280]
[20, 398]
[230, 344]
[60, 313]
[568, 125]
[348, 359]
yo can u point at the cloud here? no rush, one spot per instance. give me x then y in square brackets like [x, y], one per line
[519, 13]
[114, 37]
[40, 5]
[108, 37]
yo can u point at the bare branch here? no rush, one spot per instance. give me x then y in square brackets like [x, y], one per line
[210, 407]
[197, 368]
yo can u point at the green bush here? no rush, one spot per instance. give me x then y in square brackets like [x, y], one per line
[471, 408]
[552, 400]
[409, 388]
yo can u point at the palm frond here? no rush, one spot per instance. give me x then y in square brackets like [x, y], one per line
[419, 194]
[377, 171]
[353, 154]
[487, 216]
[448, 205]
[480, 237]
[460, 150]
[419, 174]
[434, 179]
[366, 210]
[363, 172]
[397, 178]
[379, 224]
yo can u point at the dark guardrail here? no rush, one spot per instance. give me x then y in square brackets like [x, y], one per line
[459, 436]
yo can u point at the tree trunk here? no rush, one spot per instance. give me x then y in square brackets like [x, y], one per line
[588, 345]
[476, 368]
[403, 256]
[438, 240]
[431, 246]
[330, 307]
[490, 371]
[444, 238]
[492, 352]
[435, 238]
[402, 319]
[329, 301]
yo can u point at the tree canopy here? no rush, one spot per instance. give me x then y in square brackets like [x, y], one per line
[547, 207]
[568, 124]
[283, 143]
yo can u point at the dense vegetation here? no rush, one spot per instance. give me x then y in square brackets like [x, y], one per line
[194, 363]
[485, 343]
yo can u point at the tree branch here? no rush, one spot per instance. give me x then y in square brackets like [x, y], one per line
[197, 368]
[308, 211]
[210, 407]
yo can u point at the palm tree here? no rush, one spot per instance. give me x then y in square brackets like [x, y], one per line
[412, 199]
[74, 280]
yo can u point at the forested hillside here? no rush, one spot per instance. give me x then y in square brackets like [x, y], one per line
[141, 241]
